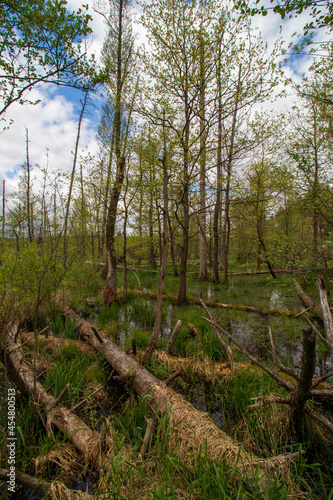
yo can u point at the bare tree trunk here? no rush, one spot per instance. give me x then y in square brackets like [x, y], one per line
[226, 225]
[308, 366]
[65, 252]
[111, 293]
[194, 429]
[217, 207]
[30, 235]
[164, 256]
[203, 134]
[3, 210]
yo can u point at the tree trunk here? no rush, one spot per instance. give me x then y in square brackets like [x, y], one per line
[203, 134]
[226, 226]
[111, 292]
[65, 250]
[164, 256]
[28, 187]
[326, 313]
[3, 211]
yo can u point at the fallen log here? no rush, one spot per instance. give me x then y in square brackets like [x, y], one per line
[54, 490]
[220, 304]
[190, 429]
[86, 440]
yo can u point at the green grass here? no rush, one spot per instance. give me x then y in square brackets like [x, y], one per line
[64, 328]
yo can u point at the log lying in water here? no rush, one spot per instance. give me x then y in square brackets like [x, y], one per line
[225, 306]
[191, 429]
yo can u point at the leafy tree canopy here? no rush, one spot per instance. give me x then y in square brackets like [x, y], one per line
[41, 42]
[320, 10]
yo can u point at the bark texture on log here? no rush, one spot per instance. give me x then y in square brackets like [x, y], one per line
[190, 428]
[325, 308]
[86, 440]
[307, 301]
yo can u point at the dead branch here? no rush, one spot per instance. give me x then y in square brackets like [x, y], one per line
[319, 380]
[219, 336]
[173, 376]
[173, 337]
[146, 439]
[254, 360]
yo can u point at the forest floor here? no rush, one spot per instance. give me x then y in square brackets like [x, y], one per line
[206, 381]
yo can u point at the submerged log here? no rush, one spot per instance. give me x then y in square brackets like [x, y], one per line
[190, 429]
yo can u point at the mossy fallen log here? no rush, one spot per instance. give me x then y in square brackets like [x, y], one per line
[190, 429]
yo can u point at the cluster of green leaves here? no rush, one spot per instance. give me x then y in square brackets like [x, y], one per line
[41, 42]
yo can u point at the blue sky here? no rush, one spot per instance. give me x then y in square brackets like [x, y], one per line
[52, 124]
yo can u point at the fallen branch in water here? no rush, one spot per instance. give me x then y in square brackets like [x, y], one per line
[220, 304]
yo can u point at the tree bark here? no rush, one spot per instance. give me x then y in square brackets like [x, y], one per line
[65, 251]
[203, 134]
[164, 256]
[111, 292]
[173, 337]
[326, 313]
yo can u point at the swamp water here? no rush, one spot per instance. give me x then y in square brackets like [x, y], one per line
[136, 319]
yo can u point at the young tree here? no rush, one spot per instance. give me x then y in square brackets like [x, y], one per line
[118, 58]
